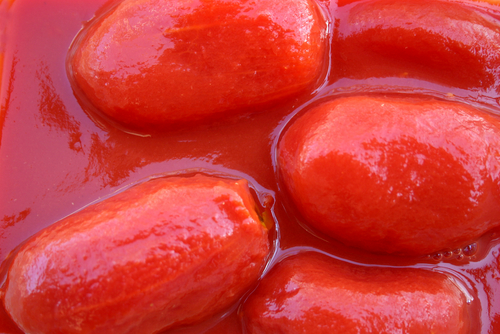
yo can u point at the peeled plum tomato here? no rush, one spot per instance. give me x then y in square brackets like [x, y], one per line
[403, 176]
[439, 41]
[166, 252]
[311, 293]
[149, 63]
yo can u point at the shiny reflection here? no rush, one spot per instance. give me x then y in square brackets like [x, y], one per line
[109, 162]
[7, 96]
[53, 112]
[487, 275]
[114, 156]
[220, 25]
[416, 175]
[11, 220]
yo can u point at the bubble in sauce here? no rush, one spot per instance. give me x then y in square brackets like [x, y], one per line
[470, 250]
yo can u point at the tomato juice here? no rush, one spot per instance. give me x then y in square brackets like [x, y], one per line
[57, 158]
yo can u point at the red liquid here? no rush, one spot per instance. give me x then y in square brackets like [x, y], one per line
[54, 159]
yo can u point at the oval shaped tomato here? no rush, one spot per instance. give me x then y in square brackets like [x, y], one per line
[405, 176]
[437, 41]
[154, 63]
[167, 252]
[311, 293]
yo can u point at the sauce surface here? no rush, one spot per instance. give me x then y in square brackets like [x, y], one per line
[55, 159]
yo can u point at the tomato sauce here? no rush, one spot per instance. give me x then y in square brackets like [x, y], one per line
[56, 159]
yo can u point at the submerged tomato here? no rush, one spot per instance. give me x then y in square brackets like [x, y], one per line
[404, 176]
[437, 41]
[311, 293]
[151, 63]
[167, 252]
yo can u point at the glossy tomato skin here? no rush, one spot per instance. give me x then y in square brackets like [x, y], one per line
[153, 63]
[394, 175]
[438, 41]
[167, 252]
[312, 293]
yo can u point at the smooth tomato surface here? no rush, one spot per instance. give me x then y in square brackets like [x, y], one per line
[157, 63]
[311, 293]
[402, 176]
